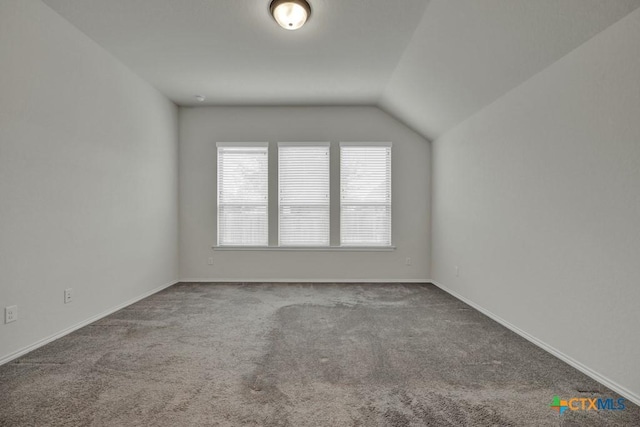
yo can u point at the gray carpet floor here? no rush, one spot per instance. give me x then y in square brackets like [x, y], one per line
[296, 355]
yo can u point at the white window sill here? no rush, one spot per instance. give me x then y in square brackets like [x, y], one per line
[307, 248]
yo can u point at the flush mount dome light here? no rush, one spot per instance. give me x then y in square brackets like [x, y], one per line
[290, 14]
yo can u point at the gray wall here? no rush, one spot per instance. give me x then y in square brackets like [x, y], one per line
[201, 128]
[88, 178]
[537, 200]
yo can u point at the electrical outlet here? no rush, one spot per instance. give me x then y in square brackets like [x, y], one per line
[10, 314]
[210, 261]
[407, 261]
[457, 271]
[68, 295]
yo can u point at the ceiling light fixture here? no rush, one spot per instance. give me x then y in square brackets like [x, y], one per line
[290, 14]
[200, 98]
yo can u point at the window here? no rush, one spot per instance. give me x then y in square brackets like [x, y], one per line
[243, 195]
[304, 202]
[365, 199]
[294, 183]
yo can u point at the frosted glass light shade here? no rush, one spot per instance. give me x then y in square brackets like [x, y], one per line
[290, 14]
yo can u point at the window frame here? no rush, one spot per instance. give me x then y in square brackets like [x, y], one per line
[285, 145]
[388, 203]
[240, 145]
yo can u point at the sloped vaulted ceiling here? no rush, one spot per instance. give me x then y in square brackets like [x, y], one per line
[431, 64]
[467, 53]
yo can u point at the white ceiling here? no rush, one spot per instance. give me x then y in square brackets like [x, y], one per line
[234, 53]
[430, 63]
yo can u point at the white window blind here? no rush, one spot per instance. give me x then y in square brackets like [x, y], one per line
[243, 195]
[303, 180]
[365, 199]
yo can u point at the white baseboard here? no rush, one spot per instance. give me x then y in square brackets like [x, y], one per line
[621, 390]
[40, 343]
[218, 280]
